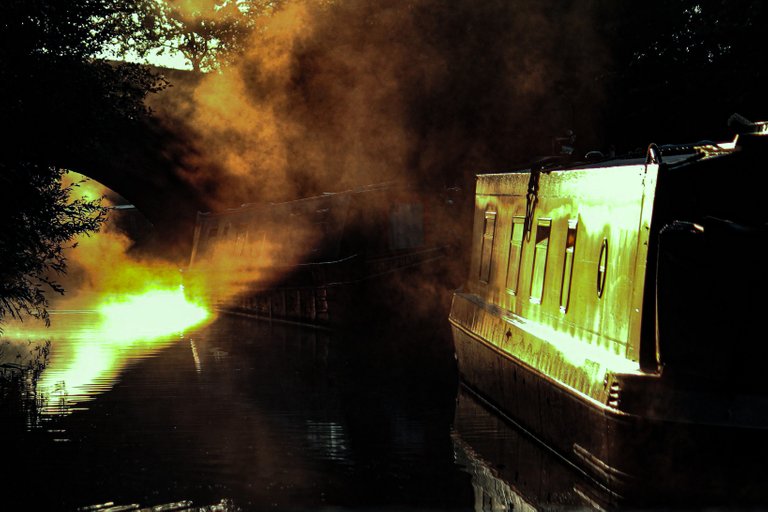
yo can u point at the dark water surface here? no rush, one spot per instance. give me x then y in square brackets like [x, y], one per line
[264, 416]
[245, 415]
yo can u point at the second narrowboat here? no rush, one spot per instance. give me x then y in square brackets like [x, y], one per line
[312, 260]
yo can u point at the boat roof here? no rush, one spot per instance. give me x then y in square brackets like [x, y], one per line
[672, 155]
[324, 196]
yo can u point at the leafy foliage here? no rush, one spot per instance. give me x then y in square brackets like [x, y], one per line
[54, 98]
[38, 220]
[73, 29]
[206, 32]
[53, 92]
[21, 365]
[680, 68]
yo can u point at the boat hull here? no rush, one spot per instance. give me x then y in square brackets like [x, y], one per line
[512, 469]
[332, 295]
[640, 460]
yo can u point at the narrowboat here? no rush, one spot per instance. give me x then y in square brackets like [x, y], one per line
[615, 311]
[311, 260]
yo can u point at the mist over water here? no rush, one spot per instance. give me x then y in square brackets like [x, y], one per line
[330, 96]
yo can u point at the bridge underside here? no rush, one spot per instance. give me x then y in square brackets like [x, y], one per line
[81, 117]
[144, 165]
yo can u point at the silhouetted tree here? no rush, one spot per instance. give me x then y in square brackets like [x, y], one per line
[38, 220]
[207, 33]
[679, 68]
[55, 96]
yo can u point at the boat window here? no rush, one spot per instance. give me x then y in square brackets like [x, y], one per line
[515, 253]
[406, 226]
[487, 247]
[543, 229]
[602, 268]
[570, 248]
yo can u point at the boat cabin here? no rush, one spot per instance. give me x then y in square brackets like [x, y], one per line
[304, 260]
[608, 296]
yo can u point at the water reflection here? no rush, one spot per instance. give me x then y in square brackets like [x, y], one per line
[269, 416]
[328, 439]
[265, 416]
[91, 348]
[512, 471]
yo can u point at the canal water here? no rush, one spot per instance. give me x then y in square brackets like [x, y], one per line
[239, 413]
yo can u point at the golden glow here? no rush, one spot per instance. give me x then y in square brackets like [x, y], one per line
[91, 348]
[593, 359]
[117, 310]
[84, 188]
[149, 315]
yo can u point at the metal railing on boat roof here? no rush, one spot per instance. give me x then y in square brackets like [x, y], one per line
[684, 153]
[324, 195]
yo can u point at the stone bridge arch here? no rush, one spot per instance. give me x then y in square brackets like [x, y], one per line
[144, 167]
[146, 162]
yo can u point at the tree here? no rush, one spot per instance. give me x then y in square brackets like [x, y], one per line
[680, 68]
[54, 96]
[38, 220]
[206, 32]
[54, 92]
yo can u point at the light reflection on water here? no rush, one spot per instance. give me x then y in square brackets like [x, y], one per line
[91, 348]
[269, 416]
[512, 471]
[88, 363]
[266, 416]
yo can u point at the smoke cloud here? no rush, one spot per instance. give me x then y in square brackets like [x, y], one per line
[331, 95]
[105, 265]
